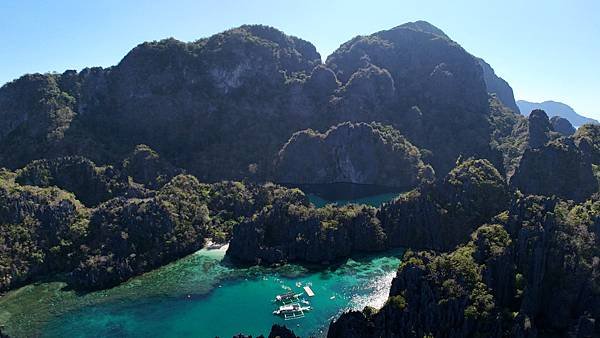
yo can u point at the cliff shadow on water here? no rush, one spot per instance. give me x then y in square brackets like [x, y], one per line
[343, 193]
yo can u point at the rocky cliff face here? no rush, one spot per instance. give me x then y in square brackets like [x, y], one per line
[535, 274]
[174, 97]
[540, 129]
[356, 153]
[437, 216]
[129, 236]
[439, 295]
[223, 107]
[90, 184]
[587, 138]
[301, 233]
[498, 86]
[557, 168]
[441, 216]
[562, 126]
[45, 230]
[142, 171]
[424, 99]
[40, 232]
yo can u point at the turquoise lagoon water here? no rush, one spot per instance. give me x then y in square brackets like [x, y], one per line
[203, 296]
[199, 296]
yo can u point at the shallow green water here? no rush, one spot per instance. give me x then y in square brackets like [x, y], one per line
[198, 296]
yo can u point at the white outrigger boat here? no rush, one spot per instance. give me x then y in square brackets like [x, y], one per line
[288, 297]
[291, 311]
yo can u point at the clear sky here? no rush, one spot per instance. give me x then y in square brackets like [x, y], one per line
[544, 49]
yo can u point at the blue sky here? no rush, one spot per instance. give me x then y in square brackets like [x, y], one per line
[544, 49]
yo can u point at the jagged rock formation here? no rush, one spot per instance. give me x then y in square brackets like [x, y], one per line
[437, 216]
[424, 100]
[556, 109]
[535, 274]
[40, 230]
[442, 215]
[550, 165]
[278, 331]
[356, 153]
[540, 129]
[129, 236]
[222, 107]
[90, 184]
[143, 170]
[562, 126]
[439, 295]
[145, 166]
[498, 86]
[298, 232]
[46, 230]
[557, 168]
[509, 135]
[587, 138]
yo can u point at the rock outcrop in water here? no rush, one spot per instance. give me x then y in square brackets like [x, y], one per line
[277, 331]
[281, 332]
[356, 153]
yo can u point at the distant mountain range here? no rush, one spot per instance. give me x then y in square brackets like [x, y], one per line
[553, 108]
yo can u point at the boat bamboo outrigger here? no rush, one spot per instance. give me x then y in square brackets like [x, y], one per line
[291, 311]
[288, 297]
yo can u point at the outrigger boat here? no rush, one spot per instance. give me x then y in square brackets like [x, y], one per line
[287, 297]
[291, 311]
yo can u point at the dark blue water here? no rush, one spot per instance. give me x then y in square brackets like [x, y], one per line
[346, 193]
